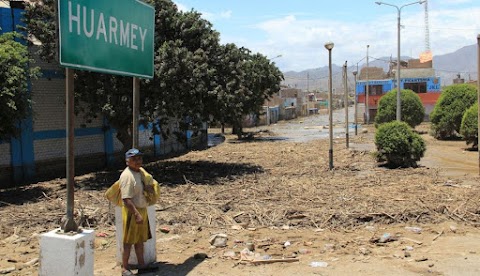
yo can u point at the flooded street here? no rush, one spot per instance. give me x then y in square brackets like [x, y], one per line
[314, 127]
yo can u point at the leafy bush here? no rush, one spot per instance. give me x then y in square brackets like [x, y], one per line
[469, 127]
[412, 110]
[398, 144]
[447, 114]
[15, 102]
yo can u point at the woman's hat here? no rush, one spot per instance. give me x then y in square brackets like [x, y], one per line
[133, 152]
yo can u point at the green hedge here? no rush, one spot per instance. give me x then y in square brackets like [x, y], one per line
[447, 114]
[398, 144]
[469, 127]
[412, 111]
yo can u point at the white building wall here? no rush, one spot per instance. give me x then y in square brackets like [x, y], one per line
[6, 153]
[48, 98]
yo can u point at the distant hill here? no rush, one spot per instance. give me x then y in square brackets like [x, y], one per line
[462, 61]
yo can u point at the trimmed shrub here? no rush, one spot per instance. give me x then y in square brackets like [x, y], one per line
[469, 127]
[447, 114]
[398, 144]
[412, 110]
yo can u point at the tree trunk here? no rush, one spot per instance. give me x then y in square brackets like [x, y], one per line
[125, 137]
[238, 130]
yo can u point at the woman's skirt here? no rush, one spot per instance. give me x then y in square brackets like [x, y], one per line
[132, 231]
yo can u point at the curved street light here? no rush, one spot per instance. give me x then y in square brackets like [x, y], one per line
[399, 10]
[329, 46]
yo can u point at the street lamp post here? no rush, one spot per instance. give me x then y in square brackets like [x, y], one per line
[399, 10]
[329, 46]
[355, 101]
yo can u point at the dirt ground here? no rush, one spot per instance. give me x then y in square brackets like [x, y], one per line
[359, 219]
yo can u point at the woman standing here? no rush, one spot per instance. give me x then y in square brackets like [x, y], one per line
[136, 228]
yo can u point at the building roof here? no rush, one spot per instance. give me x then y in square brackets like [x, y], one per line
[376, 73]
[290, 92]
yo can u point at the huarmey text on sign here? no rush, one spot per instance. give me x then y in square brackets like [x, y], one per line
[119, 32]
[100, 36]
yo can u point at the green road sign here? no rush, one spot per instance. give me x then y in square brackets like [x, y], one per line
[107, 36]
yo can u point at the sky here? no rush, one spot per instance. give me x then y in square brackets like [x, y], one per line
[297, 30]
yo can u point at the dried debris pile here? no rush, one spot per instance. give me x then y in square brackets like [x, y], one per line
[259, 183]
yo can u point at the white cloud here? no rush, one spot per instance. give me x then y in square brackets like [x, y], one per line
[301, 42]
[226, 14]
[212, 17]
[455, 2]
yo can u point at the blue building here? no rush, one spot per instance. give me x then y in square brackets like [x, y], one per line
[420, 80]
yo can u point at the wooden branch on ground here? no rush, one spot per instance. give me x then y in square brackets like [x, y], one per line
[274, 261]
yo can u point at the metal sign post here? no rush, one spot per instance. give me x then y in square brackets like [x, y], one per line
[69, 224]
[136, 106]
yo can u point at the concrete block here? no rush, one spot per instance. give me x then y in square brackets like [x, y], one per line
[62, 255]
[150, 252]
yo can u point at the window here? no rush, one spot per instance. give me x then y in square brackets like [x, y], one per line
[419, 87]
[374, 90]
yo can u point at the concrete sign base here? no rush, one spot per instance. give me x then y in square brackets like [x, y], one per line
[66, 254]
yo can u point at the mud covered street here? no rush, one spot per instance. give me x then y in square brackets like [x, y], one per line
[359, 219]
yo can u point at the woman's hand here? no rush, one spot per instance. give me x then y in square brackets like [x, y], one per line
[138, 218]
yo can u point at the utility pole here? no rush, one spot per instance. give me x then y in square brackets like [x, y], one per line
[346, 103]
[308, 81]
[367, 91]
[355, 100]
[478, 100]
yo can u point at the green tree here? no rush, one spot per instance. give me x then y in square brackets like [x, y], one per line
[186, 46]
[263, 79]
[39, 18]
[412, 108]
[244, 82]
[447, 114]
[15, 102]
[398, 144]
[184, 42]
[469, 126]
[228, 87]
[191, 85]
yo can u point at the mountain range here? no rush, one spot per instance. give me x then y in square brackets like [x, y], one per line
[462, 62]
